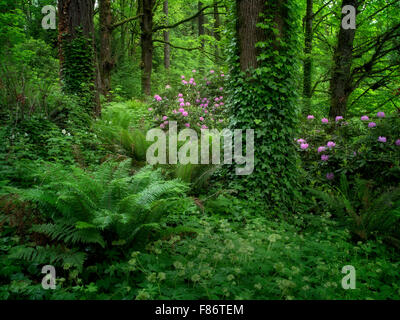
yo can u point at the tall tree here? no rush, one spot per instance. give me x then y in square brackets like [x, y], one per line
[341, 85]
[266, 33]
[167, 47]
[201, 21]
[106, 62]
[76, 48]
[307, 65]
[217, 24]
[146, 42]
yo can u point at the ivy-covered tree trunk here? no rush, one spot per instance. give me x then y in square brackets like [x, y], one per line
[76, 50]
[341, 85]
[263, 83]
[167, 47]
[307, 65]
[106, 62]
[146, 42]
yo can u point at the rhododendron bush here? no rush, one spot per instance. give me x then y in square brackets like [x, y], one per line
[367, 147]
[193, 101]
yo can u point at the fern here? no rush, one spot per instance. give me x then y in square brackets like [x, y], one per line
[83, 209]
[369, 215]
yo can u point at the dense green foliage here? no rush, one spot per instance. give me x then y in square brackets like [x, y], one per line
[77, 192]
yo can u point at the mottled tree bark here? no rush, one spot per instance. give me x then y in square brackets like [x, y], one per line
[74, 14]
[146, 42]
[106, 62]
[248, 12]
[341, 85]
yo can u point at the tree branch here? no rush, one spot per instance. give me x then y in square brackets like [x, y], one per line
[120, 23]
[182, 21]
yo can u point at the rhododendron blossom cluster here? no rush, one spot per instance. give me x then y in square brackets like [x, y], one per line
[198, 103]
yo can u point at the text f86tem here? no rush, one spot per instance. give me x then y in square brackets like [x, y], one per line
[221, 309]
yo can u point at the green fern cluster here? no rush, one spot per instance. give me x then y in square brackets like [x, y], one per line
[94, 209]
[370, 214]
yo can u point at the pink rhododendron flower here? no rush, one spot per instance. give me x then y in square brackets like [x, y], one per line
[183, 77]
[324, 157]
[187, 104]
[187, 125]
[150, 109]
[162, 125]
[321, 149]
[371, 125]
[220, 120]
[205, 111]
[212, 71]
[397, 142]
[221, 89]
[201, 119]
[310, 117]
[194, 71]
[222, 104]
[304, 146]
[330, 176]
[157, 97]
[331, 144]
[382, 139]
[181, 100]
[364, 118]
[301, 141]
[174, 111]
[338, 118]
[381, 114]
[204, 126]
[184, 82]
[165, 118]
[180, 95]
[325, 120]
[185, 114]
[181, 110]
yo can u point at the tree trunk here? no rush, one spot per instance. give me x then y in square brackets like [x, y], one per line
[201, 21]
[124, 27]
[106, 62]
[265, 98]
[167, 48]
[217, 24]
[248, 33]
[146, 43]
[76, 23]
[341, 83]
[307, 72]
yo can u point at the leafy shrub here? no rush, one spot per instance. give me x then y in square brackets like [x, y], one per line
[83, 213]
[355, 149]
[198, 104]
[369, 213]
